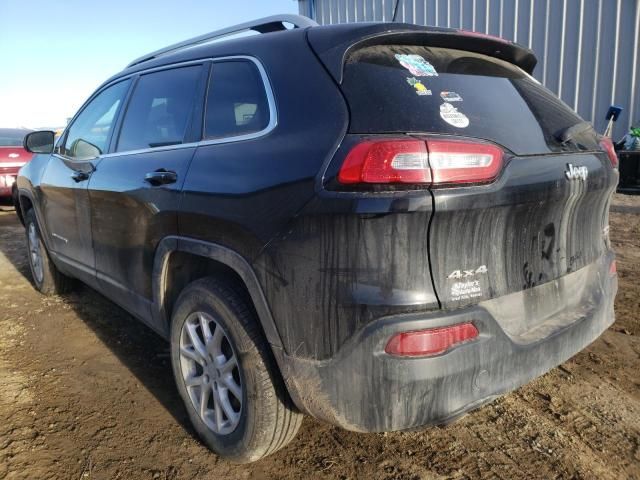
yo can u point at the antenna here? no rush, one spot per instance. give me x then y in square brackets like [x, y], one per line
[395, 11]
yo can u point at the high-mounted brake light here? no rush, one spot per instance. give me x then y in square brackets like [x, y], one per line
[430, 342]
[434, 162]
[607, 146]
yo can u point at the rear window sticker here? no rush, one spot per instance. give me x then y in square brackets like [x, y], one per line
[419, 86]
[450, 97]
[417, 65]
[452, 116]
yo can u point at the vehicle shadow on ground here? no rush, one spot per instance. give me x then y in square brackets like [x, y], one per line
[141, 350]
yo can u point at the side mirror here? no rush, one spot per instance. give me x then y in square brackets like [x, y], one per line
[39, 142]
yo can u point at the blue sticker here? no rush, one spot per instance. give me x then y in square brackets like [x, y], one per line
[417, 65]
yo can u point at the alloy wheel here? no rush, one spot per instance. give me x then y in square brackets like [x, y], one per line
[211, 373]
[35, 253]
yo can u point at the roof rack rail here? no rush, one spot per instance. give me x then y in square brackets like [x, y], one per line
[261, 25]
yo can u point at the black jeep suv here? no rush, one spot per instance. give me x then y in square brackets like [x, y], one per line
[379, 225]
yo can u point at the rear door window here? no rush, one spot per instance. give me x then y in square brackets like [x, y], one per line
[161, 108]
[237, 100]
[406, 89]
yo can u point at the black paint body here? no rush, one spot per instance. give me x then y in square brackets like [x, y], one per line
[333, 272]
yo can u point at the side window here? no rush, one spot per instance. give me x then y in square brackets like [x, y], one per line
[160, 109]
[236, 100]
[88, 135]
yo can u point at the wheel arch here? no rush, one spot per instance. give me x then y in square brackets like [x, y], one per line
[229, 261]
[26, 202]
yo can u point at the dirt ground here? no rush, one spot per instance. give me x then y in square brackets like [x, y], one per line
[86, 392]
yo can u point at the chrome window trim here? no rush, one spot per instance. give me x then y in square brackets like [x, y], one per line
[273, 114]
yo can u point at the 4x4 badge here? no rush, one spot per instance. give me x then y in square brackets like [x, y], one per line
[468, 273]
[576, 173]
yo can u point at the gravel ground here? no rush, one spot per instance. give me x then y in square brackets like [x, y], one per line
[86, 392]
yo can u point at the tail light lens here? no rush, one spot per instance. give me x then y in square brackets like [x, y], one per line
[607, 146]
[613, 269]
[399, 161]
[430, 342]
[434, 162]
[463, 162]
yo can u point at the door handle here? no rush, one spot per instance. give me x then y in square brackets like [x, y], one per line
[161, 177]
[79, 176]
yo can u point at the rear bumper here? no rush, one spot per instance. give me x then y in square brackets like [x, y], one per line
[522, 336]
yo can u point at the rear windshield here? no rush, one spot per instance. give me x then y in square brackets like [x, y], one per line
[398, 89]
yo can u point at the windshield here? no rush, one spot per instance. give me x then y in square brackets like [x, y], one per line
[406, 89]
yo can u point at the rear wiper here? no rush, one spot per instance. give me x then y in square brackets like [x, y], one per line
[568, 134]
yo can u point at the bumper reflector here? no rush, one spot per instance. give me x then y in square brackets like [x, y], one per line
[431, 341]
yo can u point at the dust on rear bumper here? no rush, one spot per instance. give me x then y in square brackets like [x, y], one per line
[364, 389]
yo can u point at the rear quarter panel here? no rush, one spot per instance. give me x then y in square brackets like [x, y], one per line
[245, 195]
[242, 194]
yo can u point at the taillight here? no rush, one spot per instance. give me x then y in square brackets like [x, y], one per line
[463, 162]
[613, 269]
[395, 161]
[430, 342]
[434, 162]
[607, 146]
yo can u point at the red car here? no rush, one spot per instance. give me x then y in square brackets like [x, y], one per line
[12, 157]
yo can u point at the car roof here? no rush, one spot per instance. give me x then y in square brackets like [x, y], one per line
[240, 46]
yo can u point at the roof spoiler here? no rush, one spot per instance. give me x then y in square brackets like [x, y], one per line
[334, 44]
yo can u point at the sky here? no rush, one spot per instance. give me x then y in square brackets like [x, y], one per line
[54, 54]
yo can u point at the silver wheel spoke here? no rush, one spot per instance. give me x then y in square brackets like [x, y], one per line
[226, 406]
[232, 386]
[193, 381]
[198, 346]
[218, 409]
[215, 344]
[228, 366]
[206, 330]
[205, 391]
[191, 354]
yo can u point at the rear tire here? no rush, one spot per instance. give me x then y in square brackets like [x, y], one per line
[46, 277]
[217, 347]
